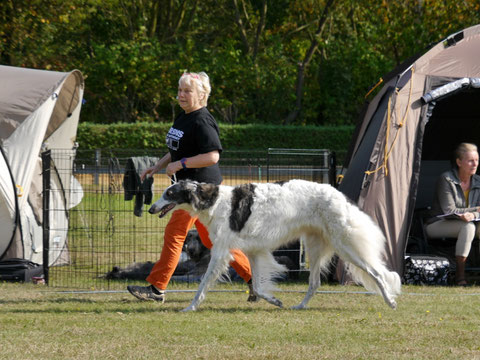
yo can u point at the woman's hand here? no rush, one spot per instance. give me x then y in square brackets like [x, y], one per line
[173, 167]
[157, 167]
[467, 216]
[147, 172]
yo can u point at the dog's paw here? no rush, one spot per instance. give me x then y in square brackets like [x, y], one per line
[272, 300]
[393, 304]
[277, 302]
[189, 308]
[298, 307]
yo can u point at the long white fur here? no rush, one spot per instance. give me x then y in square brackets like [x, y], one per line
[317, 213]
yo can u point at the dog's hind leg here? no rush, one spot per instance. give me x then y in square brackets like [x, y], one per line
[381, 284]
[217, 266]
[319, 254]
[363, 269]
[389, 283]
[264, 268]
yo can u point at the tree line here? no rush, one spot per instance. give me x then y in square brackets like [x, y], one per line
[282, 62]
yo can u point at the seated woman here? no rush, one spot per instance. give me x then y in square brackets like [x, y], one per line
[458, 193]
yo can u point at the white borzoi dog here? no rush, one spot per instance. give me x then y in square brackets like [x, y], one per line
[259, 218]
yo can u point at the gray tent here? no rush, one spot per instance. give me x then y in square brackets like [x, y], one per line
[39, 110]
[408, 131]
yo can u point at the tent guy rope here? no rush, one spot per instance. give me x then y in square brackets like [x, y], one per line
[400, 126]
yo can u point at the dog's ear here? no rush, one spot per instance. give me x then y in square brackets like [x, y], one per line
[204, 196]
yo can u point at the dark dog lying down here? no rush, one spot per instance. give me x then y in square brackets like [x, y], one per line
[196, 256]
[196, 263]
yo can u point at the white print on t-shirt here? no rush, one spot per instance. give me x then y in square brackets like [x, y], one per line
[173, 138]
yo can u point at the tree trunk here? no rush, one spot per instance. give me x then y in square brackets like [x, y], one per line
[241, 27]
[260, 28]
[7, 36]
[302, 67]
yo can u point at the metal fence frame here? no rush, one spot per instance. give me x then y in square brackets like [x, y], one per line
[100, 174]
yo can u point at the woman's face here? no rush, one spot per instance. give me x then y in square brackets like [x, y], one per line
[188, 98]
[468, 163]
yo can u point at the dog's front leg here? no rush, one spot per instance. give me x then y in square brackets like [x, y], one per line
[264, 267]
[218, 264]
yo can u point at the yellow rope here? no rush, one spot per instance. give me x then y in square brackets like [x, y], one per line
[374, 87]
[19, 190]
[339, 179]
[409, 100]
[386, 154]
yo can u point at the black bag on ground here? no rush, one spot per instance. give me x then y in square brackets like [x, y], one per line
[19, 270]
[426, 270]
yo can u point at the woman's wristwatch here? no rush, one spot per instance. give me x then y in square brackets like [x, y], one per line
[183, 162]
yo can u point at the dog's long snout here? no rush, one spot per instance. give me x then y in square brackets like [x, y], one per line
[153, 209]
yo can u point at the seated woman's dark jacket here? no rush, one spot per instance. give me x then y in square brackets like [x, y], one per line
[449, 197]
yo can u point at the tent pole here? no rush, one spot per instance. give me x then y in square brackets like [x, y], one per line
[46, 164]
[17, 211]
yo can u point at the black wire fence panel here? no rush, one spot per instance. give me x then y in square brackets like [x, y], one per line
[112, 240]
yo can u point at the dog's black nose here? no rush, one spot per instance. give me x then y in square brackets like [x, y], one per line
[151, 210]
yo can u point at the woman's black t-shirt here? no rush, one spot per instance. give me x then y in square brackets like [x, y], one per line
[192, 134]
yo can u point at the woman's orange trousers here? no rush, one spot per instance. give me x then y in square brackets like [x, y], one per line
[175, 233]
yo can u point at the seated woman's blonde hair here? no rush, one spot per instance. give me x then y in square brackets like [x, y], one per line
[463, 148]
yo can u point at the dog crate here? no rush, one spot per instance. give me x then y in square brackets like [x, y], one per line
[317, 165]
[107, 230]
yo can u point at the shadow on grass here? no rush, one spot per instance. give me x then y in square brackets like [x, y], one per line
[126, 306]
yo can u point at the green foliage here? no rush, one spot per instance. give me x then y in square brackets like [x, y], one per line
[132, 53]
[258, 136]
[122, 136]
[233, 137]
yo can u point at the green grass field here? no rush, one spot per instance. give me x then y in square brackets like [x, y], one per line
[342, 322]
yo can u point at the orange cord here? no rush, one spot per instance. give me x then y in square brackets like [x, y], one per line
[386, 153]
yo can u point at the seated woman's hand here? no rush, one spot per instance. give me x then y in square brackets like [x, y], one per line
[467, 216]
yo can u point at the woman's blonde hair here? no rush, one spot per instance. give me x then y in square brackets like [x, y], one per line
[464, 148]
[200, 81]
